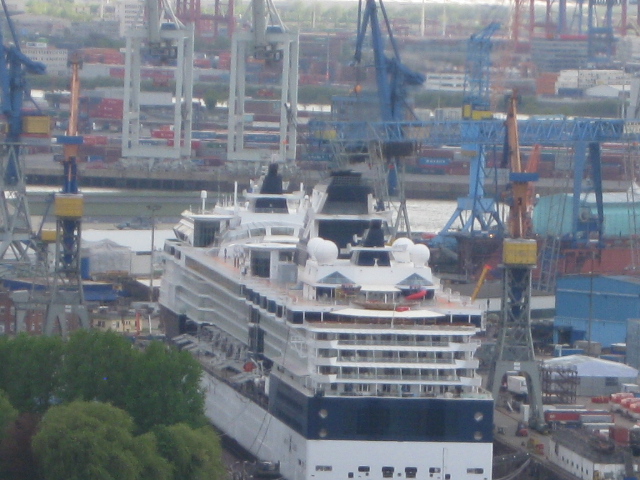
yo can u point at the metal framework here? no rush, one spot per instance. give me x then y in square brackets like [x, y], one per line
[270, 42]
[557, 132]
[476, 209]
[559, 384]
[167, 40]
[283, 50]
[16, 233]
[66, 290]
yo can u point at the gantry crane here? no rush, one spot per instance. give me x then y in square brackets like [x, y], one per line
[66, 310]
[270, 42]
[514, 347]
[166, 41]
[393, 78]
[476, 214]
[16, 234]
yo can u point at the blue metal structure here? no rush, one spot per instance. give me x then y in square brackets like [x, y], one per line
[476, 209]
[596, 308]
[566, 131]
[392, 77]
[584, 135]
[477, 80]
[14, 65]
[15, 224]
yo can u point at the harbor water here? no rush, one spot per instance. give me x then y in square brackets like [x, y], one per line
[106, 208]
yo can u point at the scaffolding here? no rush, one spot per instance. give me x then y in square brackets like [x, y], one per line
[559, 384]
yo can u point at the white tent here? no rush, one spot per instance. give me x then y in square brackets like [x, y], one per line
[106, 256]
[597, 376]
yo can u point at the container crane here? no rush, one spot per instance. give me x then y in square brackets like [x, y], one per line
[16, 234]
[167, 41]
[66, 290]
[268, 41]
[514, 347]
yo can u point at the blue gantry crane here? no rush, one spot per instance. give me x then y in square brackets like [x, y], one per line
[392, 76]
[476, 214]
[16, 234]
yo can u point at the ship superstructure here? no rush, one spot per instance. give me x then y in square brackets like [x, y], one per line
[330, 351]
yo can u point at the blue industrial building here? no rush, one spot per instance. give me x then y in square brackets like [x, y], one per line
[595, 308]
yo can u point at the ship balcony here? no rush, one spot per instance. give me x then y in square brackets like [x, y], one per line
[472, 363]
[422, 345]
[471, 381]
[419, 378]
[395, 362]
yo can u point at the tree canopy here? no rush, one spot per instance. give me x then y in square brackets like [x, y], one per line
[83, 440]
[111, 411]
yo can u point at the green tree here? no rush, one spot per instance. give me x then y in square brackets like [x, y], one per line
[194, 454]
[29, 371]
[92, 440]
[165, 388]
[97, 366]
[16, 455]
[8, 414]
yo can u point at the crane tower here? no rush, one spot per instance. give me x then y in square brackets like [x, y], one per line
[271, 42]
[16, 234]
[166, 41]
[66, 291]
[514, 347]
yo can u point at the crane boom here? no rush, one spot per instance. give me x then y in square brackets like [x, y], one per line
[392, 76]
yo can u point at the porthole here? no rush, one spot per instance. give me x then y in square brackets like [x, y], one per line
[323, 413]
[477, 436]
[478, 416]
[323, 432]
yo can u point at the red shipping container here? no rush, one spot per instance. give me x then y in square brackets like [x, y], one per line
[162, 134]
[619, 435]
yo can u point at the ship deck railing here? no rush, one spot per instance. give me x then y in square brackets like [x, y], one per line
[431, 361]
[402, 378]
[393, 343]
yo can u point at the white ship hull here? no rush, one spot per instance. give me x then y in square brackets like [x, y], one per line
[267, 438]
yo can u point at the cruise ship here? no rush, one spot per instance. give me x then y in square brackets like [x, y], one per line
[330, 350]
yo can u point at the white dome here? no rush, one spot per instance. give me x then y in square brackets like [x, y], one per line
[401, 248]
[312, 245]
[326, 252]
[402, 242]
[420, 254]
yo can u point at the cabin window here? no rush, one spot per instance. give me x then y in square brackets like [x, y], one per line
[204, 234]
[257, 232]
[387, 472]
[324, 468]
[282, 231]
[260, 264]
[364, 469]
[410, 472]
[475, 470]
[434, 470]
